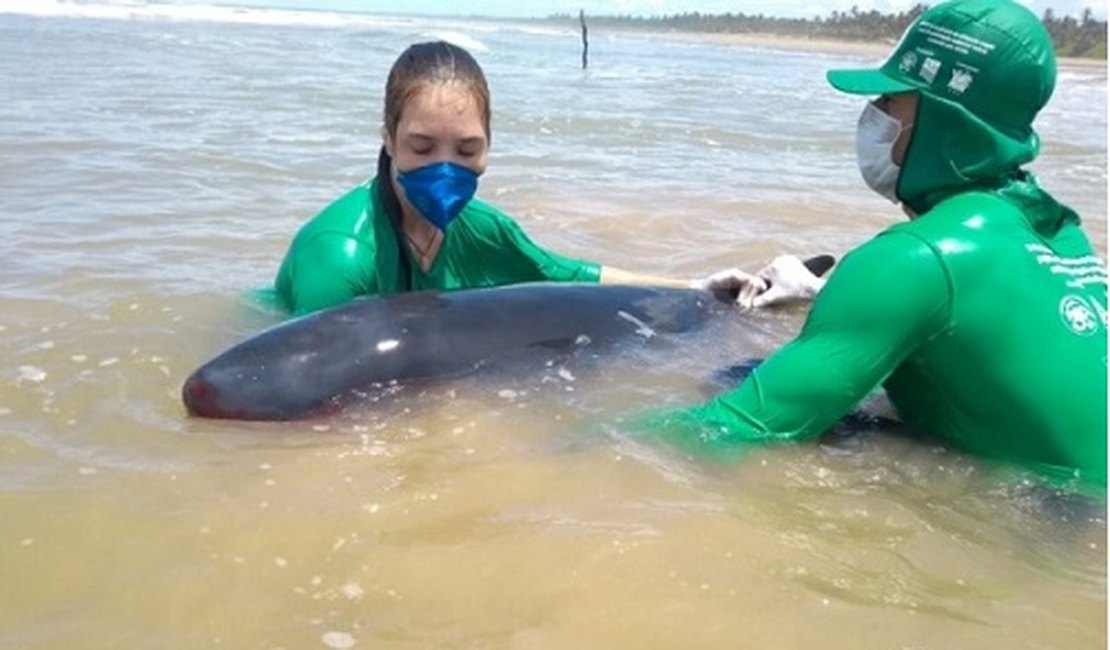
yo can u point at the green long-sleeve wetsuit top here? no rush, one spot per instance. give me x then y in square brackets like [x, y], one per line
[984, 319]
[351, 249]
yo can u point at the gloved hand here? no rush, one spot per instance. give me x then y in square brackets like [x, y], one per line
[732, 282]
[786, 279]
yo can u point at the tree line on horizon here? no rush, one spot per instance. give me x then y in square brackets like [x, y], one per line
[1072, 37]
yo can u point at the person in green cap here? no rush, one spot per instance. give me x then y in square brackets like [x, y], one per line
[417, 224]
[984, 316]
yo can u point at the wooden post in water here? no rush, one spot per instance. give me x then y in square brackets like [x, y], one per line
[585, 42]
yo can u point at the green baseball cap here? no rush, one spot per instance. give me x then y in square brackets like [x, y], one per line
[993, 57]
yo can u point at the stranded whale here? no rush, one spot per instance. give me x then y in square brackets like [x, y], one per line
[311, 365]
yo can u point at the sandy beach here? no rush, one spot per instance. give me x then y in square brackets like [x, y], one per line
[877, 49]
[779, 42]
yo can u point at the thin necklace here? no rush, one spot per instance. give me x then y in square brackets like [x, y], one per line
[422, 251]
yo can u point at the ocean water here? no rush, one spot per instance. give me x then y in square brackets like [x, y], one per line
[155, 161]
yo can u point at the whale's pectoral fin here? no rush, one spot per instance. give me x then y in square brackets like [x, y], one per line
[819, 265]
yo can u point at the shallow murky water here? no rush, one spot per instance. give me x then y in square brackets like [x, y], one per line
[154, 163]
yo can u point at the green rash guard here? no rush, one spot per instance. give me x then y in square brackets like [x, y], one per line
[984, 319]
[350, 249]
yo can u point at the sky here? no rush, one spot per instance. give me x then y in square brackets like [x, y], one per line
[542, 8]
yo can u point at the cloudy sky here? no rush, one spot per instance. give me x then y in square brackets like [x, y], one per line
[540, 8]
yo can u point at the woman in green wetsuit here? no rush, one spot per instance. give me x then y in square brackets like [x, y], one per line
[984, 316]
[416, 225]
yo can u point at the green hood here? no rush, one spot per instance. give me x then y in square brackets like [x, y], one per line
[951, 150]
[1045, 214]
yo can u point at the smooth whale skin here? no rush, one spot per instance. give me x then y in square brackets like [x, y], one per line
[309, 365]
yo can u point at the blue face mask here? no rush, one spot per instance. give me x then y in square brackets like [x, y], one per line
[439, 191]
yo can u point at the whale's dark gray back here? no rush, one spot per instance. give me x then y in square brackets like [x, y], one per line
[311, 364]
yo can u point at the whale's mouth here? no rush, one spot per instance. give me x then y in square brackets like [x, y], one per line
[206, 399]
[200, 399]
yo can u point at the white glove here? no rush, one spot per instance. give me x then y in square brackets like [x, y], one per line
[787, 279]
[733, 282]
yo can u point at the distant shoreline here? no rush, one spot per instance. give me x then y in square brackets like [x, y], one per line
[771, 41]
[877, 50]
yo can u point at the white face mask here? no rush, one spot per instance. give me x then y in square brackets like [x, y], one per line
[876, 134]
